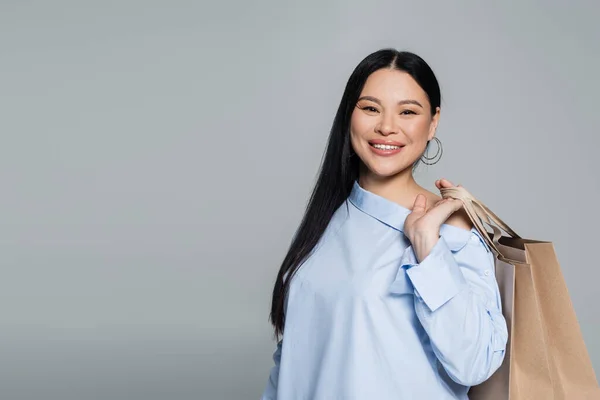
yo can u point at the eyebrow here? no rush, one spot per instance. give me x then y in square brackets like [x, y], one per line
[401, 102]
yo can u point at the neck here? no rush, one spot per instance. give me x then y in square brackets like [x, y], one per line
[400, 188]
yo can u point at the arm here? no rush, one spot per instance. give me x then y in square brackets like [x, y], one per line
[270, 392]
[457, 301]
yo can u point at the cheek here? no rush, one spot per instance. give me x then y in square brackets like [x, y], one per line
[359, 124]
[416, 130]
[418, 126]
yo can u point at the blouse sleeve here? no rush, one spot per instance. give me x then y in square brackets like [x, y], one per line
[457, 301]
[270, 392]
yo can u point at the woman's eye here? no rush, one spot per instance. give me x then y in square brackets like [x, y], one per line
[369, 108]
[406, 112]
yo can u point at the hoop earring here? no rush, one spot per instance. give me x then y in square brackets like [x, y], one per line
[439, 151]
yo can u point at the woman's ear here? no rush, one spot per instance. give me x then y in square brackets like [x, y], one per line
[435, 119]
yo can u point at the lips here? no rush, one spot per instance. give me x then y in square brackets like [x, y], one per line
[385, 151]
[387, 142]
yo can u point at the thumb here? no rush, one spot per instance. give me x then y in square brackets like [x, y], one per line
[420, 204]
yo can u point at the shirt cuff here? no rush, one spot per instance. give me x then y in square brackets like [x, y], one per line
[438, 278]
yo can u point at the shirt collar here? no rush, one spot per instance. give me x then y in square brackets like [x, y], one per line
[394, 215]
[380, 208]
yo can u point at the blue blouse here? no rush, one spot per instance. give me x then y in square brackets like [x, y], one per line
[366, 321]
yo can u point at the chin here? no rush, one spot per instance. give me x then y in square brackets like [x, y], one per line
[384, 171]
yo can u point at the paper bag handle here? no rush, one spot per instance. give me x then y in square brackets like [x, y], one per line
[479, 213]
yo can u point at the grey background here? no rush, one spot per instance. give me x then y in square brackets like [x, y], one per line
[156, 158]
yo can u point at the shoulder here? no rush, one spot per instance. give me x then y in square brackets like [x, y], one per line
[466, 233]
[460, 219]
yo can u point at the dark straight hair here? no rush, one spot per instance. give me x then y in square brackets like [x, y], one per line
[340, 165]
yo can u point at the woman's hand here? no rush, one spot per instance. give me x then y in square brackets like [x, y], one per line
[422, 225]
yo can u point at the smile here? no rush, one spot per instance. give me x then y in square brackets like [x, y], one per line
[385, 146]
[385, 149]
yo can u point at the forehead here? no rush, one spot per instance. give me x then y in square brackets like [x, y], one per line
[393, 85]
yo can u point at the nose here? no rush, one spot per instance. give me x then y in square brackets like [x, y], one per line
[386, 125]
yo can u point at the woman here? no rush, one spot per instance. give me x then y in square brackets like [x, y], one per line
[387, 290]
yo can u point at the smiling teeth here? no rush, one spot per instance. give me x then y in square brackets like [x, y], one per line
[385, 147]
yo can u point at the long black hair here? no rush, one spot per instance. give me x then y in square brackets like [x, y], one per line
[340, 165]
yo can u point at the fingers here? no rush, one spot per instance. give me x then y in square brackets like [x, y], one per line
[451, 205]
[440, 183]
[430, 218]
[444, 208]
[420, 204]
[446, 183]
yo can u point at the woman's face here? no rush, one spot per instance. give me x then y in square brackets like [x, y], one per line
[392, 122]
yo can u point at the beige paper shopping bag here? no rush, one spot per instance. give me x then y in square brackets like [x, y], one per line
[546, 356]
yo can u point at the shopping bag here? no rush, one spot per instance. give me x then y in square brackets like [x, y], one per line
[546, 357]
